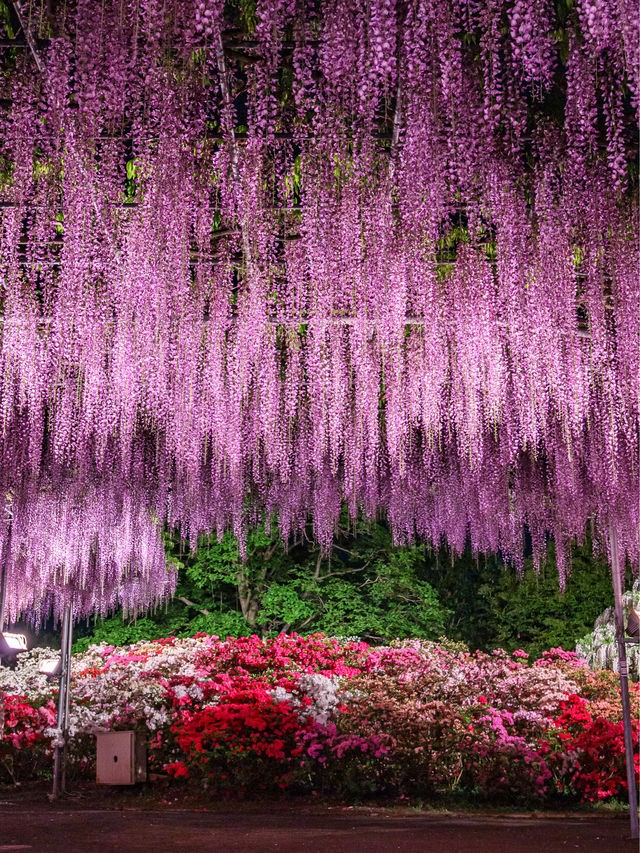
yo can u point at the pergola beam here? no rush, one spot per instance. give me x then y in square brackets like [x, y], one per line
[617, 573]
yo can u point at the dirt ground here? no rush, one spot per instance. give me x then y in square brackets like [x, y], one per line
[32, 823]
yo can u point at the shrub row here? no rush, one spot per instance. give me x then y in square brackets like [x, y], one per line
[314, 713]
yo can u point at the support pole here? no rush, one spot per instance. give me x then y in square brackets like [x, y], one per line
[624, 680]
[67, 698]
[60, 750]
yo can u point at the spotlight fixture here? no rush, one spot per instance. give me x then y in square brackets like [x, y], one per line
[51, 667]
[12, 644]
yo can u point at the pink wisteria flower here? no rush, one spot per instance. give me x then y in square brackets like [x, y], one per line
[407, 286]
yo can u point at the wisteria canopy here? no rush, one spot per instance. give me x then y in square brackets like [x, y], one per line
[258, 259]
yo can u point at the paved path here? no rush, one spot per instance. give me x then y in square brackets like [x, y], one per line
[61, 828]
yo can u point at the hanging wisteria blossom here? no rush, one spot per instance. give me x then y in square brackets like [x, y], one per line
[93, 546]
[264, 258]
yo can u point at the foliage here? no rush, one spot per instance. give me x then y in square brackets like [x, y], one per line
[493, 606]
[119, 632]
[362, 586]
[365, 586]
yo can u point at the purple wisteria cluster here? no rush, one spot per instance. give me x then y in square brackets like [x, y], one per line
[260, 259]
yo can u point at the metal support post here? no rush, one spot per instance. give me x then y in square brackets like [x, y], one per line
[67, 698]
[624, 680]
[60, 750]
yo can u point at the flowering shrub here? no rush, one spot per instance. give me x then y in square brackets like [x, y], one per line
[499, 761]
[411, 718]
[589, 751]
[247, 738]
[23, 729]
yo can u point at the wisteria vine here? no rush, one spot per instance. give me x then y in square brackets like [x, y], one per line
[258, 259]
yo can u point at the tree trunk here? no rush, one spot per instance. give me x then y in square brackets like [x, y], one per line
[248, 597]
[248, 592]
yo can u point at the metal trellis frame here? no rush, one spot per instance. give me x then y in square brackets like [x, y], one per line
[616, 572]
[62, 727]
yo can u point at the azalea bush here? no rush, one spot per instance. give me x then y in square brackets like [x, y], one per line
[588, 751]
[24, 744]
[315, 713]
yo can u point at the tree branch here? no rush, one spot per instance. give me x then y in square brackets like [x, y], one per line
[193, 604]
